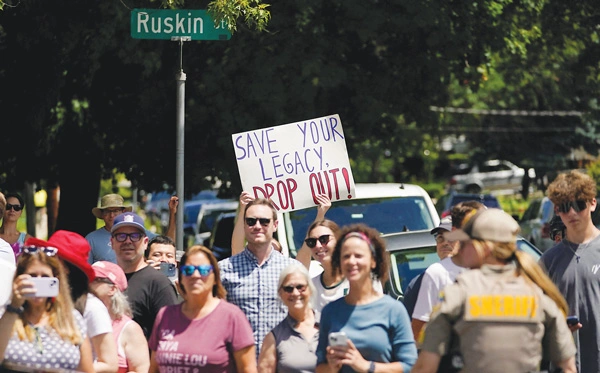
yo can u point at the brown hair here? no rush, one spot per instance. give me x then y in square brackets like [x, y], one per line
[264, 202]
[462, 209]
[330, 224]
[60, 309]
[218, 290]
[572, 186]
[376, 244]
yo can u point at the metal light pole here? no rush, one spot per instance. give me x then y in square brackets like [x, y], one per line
[180, 115]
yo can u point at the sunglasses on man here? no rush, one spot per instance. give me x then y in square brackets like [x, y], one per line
[578, 206]
[251, 222]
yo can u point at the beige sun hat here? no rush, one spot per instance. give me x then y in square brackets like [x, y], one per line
[110, 201]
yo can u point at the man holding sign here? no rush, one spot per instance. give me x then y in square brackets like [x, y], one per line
[251, 277]
[293, 163]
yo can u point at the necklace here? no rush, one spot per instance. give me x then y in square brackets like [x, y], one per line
[574, 250]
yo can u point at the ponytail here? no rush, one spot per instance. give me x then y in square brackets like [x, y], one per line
[527, 266]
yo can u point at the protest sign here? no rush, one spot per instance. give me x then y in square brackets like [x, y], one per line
[292, 163]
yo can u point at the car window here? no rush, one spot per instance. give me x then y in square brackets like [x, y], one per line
[208, 219]
[408, 264]
[387, 215]
[191, 213]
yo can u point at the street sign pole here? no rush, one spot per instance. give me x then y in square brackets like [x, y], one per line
[180, 118]
[177, 25]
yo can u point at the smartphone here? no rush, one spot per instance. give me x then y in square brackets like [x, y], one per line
[338, 339]
[45, 287]
[169, 269]
[572, 320]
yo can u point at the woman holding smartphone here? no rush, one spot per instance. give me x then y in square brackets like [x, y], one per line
[377, 336]
[42, 332]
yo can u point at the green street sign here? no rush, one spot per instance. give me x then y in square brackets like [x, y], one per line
[169, 24]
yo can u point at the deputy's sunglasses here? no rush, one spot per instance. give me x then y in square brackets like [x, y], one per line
[13, 207]
[31, 250]
[122, 237]
[203, 269]
[312, 242]
[578, 206]
[251, 222]
[290, 289]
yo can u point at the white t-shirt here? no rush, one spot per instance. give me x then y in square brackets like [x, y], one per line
[6, 252]
[96, 317]
[436, 278]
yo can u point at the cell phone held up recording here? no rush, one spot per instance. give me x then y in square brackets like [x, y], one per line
[169, 269]
[338, 339]
[45, 287]
[572, 320]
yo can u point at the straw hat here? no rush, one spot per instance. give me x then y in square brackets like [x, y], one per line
[110, 201]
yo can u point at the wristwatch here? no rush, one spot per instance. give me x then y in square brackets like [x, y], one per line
[12, 309]
[371, 367]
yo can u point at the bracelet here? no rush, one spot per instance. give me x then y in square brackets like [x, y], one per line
[12, 309]
[371, 367]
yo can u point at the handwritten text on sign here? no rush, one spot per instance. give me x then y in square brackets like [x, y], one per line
[292, 163]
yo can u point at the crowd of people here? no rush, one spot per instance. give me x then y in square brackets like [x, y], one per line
[118, 300]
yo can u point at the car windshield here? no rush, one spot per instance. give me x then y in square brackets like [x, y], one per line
[408, 264]
[387, 215]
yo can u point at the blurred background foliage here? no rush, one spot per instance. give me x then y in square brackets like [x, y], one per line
[81, 100]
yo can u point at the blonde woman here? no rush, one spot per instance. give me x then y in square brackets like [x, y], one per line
[132, 347]
[506, 313]
[42, 333]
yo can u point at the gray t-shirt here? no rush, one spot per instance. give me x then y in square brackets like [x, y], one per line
[575, 269]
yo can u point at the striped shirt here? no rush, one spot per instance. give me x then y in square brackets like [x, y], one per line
[253, 288]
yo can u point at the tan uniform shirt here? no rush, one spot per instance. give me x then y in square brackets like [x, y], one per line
[504, 322]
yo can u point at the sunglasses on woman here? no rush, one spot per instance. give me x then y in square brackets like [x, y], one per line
[290, 288]
[312, 242]
[578, 206]
[203, 269]
[13, 207]
[31, 250]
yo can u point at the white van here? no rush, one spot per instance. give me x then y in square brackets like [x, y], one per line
[386, 207]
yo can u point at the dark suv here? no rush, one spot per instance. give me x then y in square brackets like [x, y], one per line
[445, 202]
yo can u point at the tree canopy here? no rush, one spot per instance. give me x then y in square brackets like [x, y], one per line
[81, 99]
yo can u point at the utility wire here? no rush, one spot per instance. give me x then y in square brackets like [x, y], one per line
[512, 113]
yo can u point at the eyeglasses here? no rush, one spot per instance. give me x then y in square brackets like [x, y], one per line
[49, 251]
[290, 288]
[113, 212]
[251, 222]
[312, 242]
[578, 206]
[203, 269]
[134, 237]
[13, 207]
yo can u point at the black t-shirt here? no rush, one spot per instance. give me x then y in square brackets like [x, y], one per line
[148, 290]
[412, 293]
